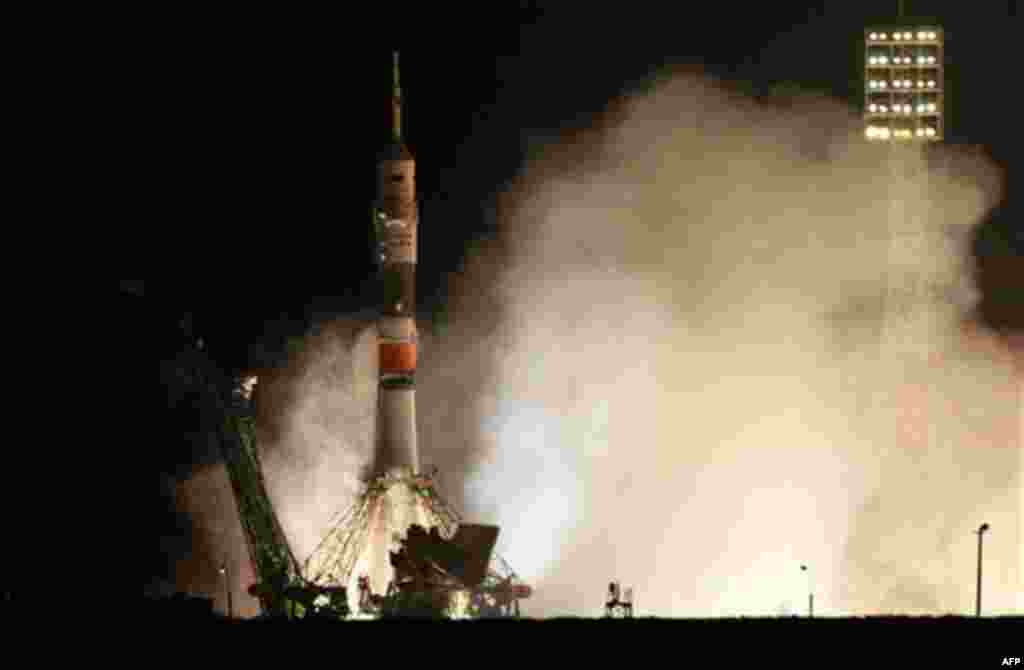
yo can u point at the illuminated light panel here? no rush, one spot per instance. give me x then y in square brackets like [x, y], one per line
[931, 83]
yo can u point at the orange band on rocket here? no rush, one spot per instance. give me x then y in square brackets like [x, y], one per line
[397, 358]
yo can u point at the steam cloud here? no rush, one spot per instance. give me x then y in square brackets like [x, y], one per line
[673, 368]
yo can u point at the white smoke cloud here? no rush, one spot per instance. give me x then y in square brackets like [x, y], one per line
[670, 371]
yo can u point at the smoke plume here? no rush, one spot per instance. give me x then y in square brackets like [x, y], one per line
[694, 359]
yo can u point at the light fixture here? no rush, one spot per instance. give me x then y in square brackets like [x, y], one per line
[873, 36]
[931, 60]
[883, 109]
[930, 132]
[897, 36]
[932, 107]
[931, 83]
[882, 37]
[921, 35]
[920, 84]
[920, 132]
[873, 108]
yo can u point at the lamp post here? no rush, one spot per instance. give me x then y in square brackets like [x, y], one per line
[810, 592]
[227, 588]
[981, 533]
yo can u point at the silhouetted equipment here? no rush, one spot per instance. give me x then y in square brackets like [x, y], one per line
[618, 605]
[436, 570]
[427, 558]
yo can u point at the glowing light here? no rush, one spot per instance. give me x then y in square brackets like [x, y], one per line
[882, 36]
[872, 84]
[930, 132]
[872, 60]
[883, 60]
[921, 35]
[883, 109]
[897, 83]
[874, 36]
[920, 60]
[873, 108]
[931, 83]
[882, 84]
[906, 109]
[932, 107]
[920, 84]
[920, 132]
[907, 83]
[932, 36]
[897, 36]
[931, 60]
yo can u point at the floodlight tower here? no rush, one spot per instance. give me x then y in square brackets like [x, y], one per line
[903, 84]
[904, 111]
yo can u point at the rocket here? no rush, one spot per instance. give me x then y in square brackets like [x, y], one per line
[395, 219]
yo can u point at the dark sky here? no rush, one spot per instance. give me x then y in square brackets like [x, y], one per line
[232, 155]
[241, 147]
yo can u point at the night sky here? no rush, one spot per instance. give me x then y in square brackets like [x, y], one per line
[238, 149]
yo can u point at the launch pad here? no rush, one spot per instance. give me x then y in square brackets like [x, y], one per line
[400, 541]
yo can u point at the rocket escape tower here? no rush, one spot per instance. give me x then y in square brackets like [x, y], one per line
[369, 548]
